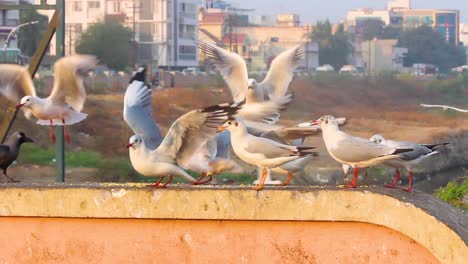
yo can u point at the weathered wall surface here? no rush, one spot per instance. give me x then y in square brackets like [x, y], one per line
[116, 223]
[78, 240]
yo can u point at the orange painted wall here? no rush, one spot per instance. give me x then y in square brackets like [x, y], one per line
[78, 240]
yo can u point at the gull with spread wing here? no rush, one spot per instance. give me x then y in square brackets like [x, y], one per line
[185, 138]
[63, 106]
[354, 151]
[234, 71]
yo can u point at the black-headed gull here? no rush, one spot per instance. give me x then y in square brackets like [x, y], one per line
[262, 152]
[233, 68]
[185, 138]
[409, 160]
[10, 151]
[355, 151]
[63, 106]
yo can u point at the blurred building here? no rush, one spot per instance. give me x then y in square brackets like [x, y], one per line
[163, 30]
[8, 20]
[464, 34]
[400, 15]
[382, 55]
[287, 20]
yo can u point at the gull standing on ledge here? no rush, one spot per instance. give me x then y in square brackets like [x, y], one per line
[409, 159]
[63, 106]
[355, 151]
[263, 152]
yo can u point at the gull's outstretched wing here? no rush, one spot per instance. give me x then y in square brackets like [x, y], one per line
[138, 111]
[281, 71]
[16, 82]
[191, 131]
[68, 84]
[231, 66]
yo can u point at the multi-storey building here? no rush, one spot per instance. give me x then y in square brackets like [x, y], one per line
[163, 30]
[8, 20]
[399, 14]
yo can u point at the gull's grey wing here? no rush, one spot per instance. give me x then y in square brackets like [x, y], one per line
[272, 149]
[353, 149]
[418, 150]
[266, 111]
[191, 131]
[223, 145]
[291, 133]
[231, 66]
[16, 82]
[279, 76]
[138, 113]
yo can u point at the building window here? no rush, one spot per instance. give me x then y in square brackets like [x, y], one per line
[77, 6]
[116, 6]
[187, 52]
[93, 4]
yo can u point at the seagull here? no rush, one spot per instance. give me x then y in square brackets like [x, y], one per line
[233, 68]
[10, 151]
[355, 151]
[184, 138]
[407, 160]
[263, 152]
[445, 107]
[63, 106]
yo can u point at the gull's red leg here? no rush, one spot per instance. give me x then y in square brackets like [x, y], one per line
[51, 131]
[397, 177]
[65, 132]
[262, 180]
[156, 184]
[210, 178]
[198, 181]
[355, 176]
[410, 184]
[168, 181]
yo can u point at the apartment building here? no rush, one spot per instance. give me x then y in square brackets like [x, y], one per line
[8, 20]
[162, 29]
[399, 14]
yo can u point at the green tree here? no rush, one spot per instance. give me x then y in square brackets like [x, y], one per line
[372, 28]
[30, 36]
[333, 48]
[109, 41]
[428, 46]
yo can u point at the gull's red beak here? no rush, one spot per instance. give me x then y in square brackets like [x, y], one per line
[315, 122]
[129, 145]
[19, 106]
[220, 129]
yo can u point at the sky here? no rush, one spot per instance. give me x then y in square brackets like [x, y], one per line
[312, 10]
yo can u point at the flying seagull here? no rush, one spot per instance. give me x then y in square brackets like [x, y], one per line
[10, 151]
[445, 107]
[63, 106]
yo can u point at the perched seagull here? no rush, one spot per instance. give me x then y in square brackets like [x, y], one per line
[185, 138]
[63, 106]
[409, 159]
[355, 151]
[233, 68]
[10, 151]
[445, 107]
[263, 152]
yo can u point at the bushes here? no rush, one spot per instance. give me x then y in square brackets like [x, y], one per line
[454, 192]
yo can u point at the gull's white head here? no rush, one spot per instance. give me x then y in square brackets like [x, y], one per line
[233, 125]
[27, 102]
[325, 121]
[377, 139]
[252, 83]
[135, 142]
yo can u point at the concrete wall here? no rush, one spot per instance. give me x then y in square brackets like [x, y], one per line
[115, 223]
